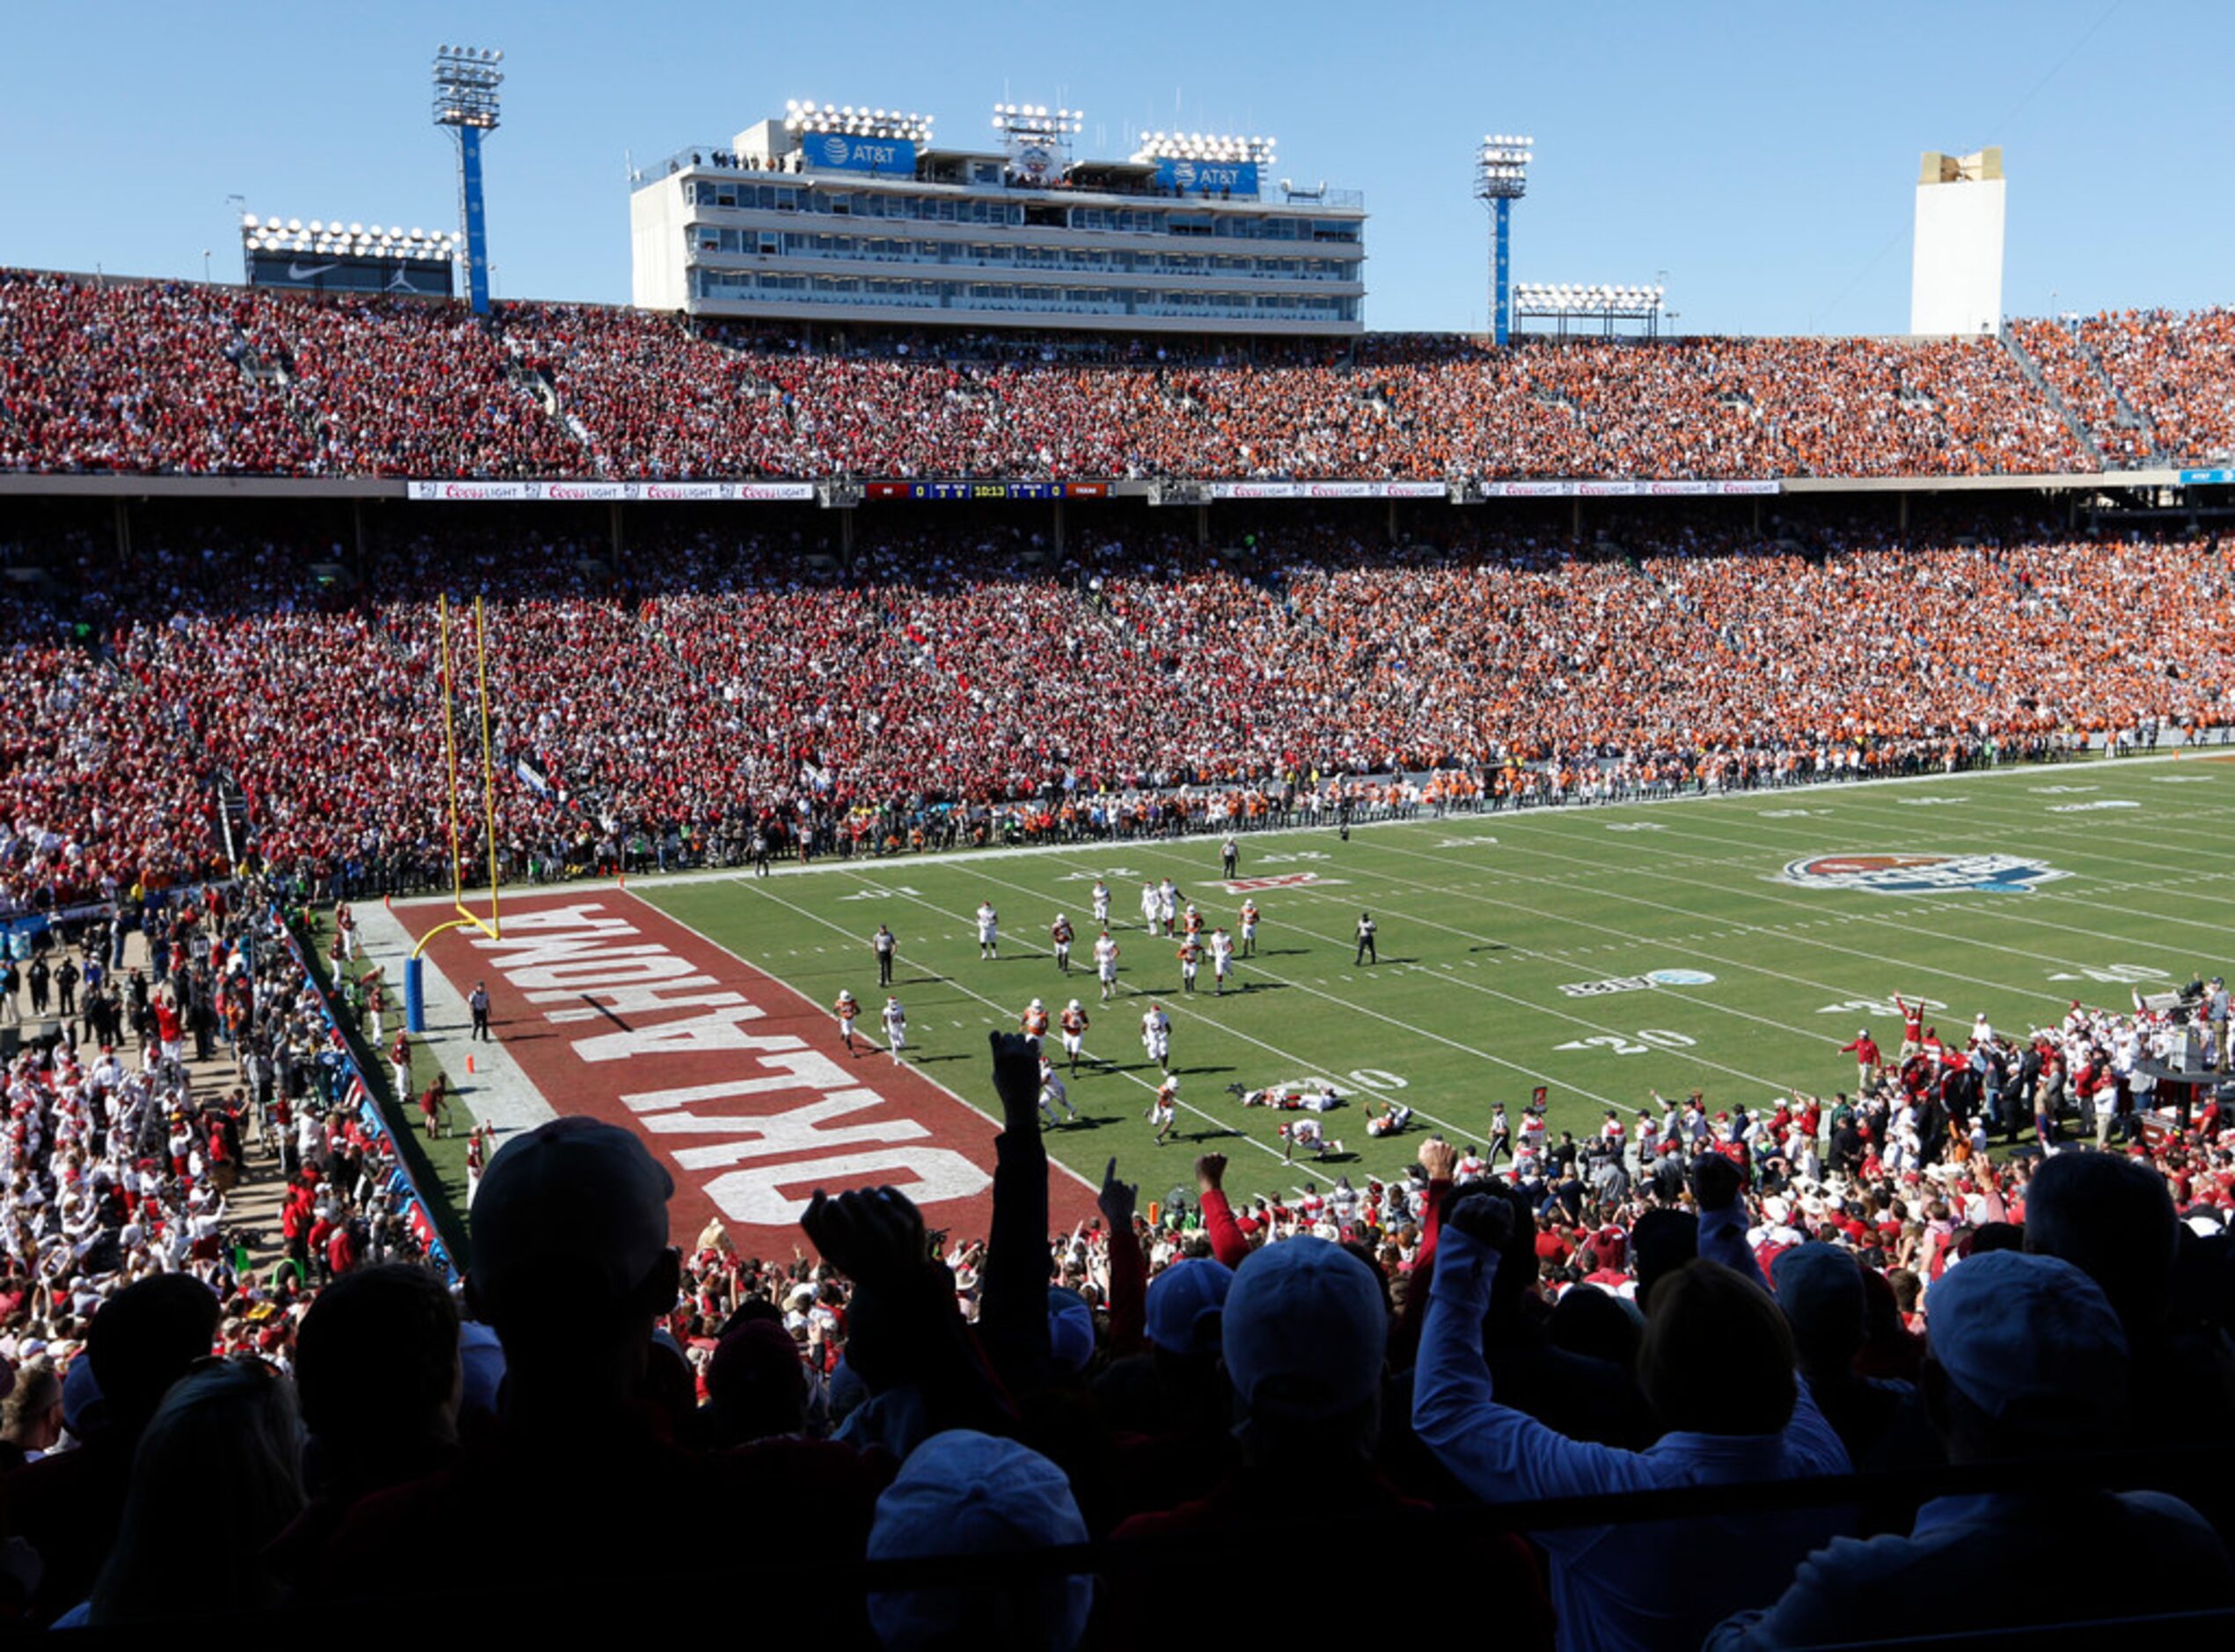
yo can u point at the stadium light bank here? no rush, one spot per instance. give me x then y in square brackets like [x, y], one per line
[1599, 305]
[466, 78]
[1501, 177]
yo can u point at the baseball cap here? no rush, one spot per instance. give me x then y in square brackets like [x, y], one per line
[966, 1493]
[1819, 1287]
[1184, 1303]
[1070, 1330]
[573, 1190]
[2029, 1337]
[1304, 1329]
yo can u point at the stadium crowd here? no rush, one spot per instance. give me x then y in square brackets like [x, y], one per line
[173, 377]
[957, 686]
[123, 1160]
[1807, 1287]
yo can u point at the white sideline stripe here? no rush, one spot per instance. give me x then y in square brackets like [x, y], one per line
[2088, 895]
[497, 1092]
[1553, 1010]
[1356, 1009]
[1752, 853]
[888, 865]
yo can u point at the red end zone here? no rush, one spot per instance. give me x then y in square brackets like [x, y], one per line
[738, 1083]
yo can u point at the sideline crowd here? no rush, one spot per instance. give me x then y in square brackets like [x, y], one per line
[707, 702]
[1812, 1288]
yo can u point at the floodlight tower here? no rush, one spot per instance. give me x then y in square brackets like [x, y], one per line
[1501, 179]
[465, 82]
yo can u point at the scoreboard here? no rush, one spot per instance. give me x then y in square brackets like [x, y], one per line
[418, 277]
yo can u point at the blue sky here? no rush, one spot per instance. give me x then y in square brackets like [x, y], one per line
[1763, 155]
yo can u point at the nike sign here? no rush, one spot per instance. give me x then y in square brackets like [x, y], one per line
[297, 272]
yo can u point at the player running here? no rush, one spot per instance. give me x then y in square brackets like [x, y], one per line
[1053, 1095]
[1106, 966]
[1156, 1037]
[1168, 905]
[1164, 1112]
[1152, 907]
[1102, 904]
[1221, 959]
[1074, 1032]
[1060, 937]
[1249, 928]
[1035, 1021]
[846, 1008]
[896, 1028]
[989, 930]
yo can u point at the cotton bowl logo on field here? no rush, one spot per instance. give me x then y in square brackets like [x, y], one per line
[1920, 875]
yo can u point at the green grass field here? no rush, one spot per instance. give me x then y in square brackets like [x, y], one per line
[1513, 949]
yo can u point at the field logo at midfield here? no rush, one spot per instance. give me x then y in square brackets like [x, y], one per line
[1637, 983]
[1920, 875]
[1281, 881]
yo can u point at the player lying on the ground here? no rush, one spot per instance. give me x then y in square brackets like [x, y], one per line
[1308, 1136]
[1386, 1120]
[1288, 1099]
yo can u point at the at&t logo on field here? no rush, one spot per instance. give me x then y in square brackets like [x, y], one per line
[1920, 875]
[1638, 983]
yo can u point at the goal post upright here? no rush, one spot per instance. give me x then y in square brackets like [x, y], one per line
[415, 968]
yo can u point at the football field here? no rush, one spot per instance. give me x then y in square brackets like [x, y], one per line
[1729, 945]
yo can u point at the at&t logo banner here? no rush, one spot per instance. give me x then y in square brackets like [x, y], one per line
[846, 152]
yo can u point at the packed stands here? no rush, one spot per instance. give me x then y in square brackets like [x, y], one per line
[2174, 371]
[1701, 1299]
[947, 691]
[1692, 1304]
[258, 383]
[2073, 370]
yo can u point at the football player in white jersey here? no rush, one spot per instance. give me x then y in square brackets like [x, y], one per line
[895, 1027]
[1164, 1111]
[1053, 1095]
[1221, 959]
[1106, 966]
[1102, 904]
[1156, 1036]
[989, 930]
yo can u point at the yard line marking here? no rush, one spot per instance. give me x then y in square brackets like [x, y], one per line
[757, 885]
[1287, 1056]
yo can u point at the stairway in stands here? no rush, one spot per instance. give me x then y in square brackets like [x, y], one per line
[2039, 380]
